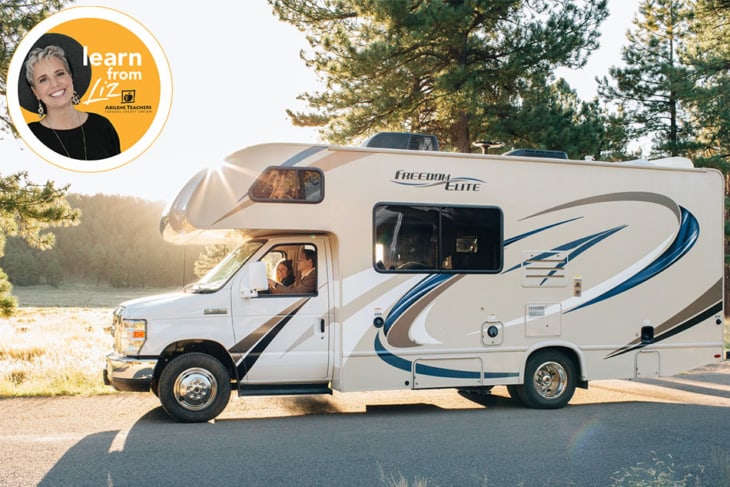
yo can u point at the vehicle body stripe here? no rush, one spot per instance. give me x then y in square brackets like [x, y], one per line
[704, 307]
[254, 344]
[687, 236]
[415, 300]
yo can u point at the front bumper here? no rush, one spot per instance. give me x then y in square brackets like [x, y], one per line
[128, 373]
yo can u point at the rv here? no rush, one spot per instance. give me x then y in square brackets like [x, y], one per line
[421, 269]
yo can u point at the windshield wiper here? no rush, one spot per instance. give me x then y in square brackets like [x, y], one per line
[196, 288]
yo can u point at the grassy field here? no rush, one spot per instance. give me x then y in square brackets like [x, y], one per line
[56, 342]
[79, 295]
[54, 351]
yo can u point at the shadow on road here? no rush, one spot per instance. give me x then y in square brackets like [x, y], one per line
[690, 387]
[507, 444]
[470, 439]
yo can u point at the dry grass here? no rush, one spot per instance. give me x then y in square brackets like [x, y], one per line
[54, 351]
[80, 295]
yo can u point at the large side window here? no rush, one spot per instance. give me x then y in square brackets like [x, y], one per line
[417, 238]
[288, 184]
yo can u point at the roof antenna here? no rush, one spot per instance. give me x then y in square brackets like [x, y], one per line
[485, 145]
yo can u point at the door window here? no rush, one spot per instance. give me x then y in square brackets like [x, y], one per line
[292, 269]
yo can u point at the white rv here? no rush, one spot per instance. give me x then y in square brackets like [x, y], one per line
[430, 269]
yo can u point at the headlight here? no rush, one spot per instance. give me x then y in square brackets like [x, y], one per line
[129, 335]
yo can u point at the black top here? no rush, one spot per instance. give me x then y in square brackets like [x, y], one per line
[95, 139]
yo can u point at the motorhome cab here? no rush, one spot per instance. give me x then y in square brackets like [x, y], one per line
[418, 269]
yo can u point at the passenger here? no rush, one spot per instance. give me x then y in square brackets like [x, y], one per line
[307, 281]
[285, 272]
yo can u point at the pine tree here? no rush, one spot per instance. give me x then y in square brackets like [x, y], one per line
[654, 88]
[708, 51]
[553, 117]
[445, 67]
[26, 211]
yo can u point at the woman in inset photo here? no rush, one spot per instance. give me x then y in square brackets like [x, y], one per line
[53, 81]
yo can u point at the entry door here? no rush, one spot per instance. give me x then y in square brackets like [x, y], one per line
[284, 338]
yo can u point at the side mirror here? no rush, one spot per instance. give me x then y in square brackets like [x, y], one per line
[254, 280]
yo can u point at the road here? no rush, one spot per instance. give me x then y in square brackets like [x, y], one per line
[678, 427]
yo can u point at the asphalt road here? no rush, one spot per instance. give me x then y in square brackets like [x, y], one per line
[617, 431]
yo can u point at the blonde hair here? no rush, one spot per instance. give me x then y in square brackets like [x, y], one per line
[41, 54]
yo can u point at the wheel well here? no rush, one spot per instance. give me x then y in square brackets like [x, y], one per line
[201, 346]
[573, 356]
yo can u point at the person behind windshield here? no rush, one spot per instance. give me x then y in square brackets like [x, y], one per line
[284, 273]
[307, 282]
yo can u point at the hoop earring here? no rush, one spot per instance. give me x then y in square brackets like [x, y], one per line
[75, 98]
[41, 110]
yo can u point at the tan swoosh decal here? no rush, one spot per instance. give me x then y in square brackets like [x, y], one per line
[398, 334]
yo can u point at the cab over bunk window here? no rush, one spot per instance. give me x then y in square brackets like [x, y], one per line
[288, 185]
[418, 238]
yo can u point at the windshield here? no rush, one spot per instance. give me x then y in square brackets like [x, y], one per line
[220, 274]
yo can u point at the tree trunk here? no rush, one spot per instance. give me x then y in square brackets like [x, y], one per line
[460, 138]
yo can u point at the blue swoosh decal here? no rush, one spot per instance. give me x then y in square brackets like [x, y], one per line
[292, 161]
[407, 366]
[537, 230]
[414, 294]
[689, 232]
[580, 245]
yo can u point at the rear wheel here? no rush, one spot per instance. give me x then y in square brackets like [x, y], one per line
[194, 387]
[550, 378]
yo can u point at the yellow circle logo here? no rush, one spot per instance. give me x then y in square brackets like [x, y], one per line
[93, 89]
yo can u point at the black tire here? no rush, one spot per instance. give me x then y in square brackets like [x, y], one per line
[515, 392]
[550, 379]
[194, 388]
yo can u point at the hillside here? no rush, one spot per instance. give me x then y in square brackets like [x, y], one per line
[117, 243]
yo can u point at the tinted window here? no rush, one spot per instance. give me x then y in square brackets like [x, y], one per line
[412, 238]
[282, 184]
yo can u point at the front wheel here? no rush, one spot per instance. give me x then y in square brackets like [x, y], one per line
[194, 388]
[550, 378]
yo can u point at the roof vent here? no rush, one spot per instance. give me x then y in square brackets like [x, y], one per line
[551, 154]
[402, 140]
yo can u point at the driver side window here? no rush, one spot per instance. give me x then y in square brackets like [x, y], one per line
[292, 269]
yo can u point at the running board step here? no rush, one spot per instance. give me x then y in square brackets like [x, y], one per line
[284, 389]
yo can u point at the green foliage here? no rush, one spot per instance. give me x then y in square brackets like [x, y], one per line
[553, 117]
[654, 87]
[26, 210]
[117, 243]
[443, 67]
[708, 52]
[8, 302]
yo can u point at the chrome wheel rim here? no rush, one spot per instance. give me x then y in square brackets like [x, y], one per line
[550, 380]
[195, 389]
